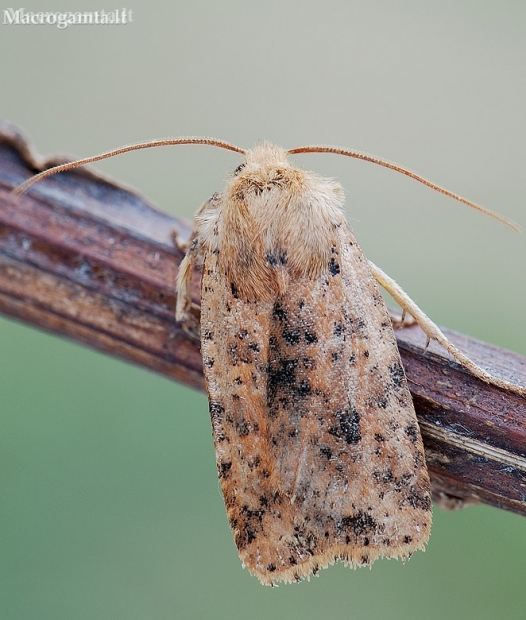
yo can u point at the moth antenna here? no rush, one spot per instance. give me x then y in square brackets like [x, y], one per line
[23, 187]
[387, 164]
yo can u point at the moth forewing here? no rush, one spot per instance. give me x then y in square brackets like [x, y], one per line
[317, 444]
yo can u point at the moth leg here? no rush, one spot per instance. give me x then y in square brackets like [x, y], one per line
[186, 312]
[432, 331]
[181, 243]
[401, 319]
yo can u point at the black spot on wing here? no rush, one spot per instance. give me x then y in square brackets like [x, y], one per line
[224, 469]
[338, 329]
[310, 337]
[419, 500]
[304, 388]
[217, 415]
[275, 259]
[348, 426]
[326, 452]
[278, 312]
[281, 377]
[216, 409]
[291, 336]
[359, 523]
[384, 476]
[334, 267]
[397, 374]
[412, 432]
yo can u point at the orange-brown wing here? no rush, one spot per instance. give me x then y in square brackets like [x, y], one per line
[317, 444]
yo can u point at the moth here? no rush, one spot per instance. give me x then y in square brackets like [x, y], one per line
[317, 444]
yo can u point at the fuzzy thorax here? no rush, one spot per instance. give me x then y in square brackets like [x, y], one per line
[272, 222]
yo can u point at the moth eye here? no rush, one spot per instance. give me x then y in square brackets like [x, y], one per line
[238, 169]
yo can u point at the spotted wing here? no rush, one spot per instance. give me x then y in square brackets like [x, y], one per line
[317, 444]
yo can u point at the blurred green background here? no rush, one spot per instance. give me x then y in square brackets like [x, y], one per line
[110, 506]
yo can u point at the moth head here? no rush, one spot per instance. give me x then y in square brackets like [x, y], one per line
[265, 169]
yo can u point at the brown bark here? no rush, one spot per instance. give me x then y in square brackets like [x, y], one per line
[87, 259]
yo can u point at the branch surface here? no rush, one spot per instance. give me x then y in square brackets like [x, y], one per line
[85, 258]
